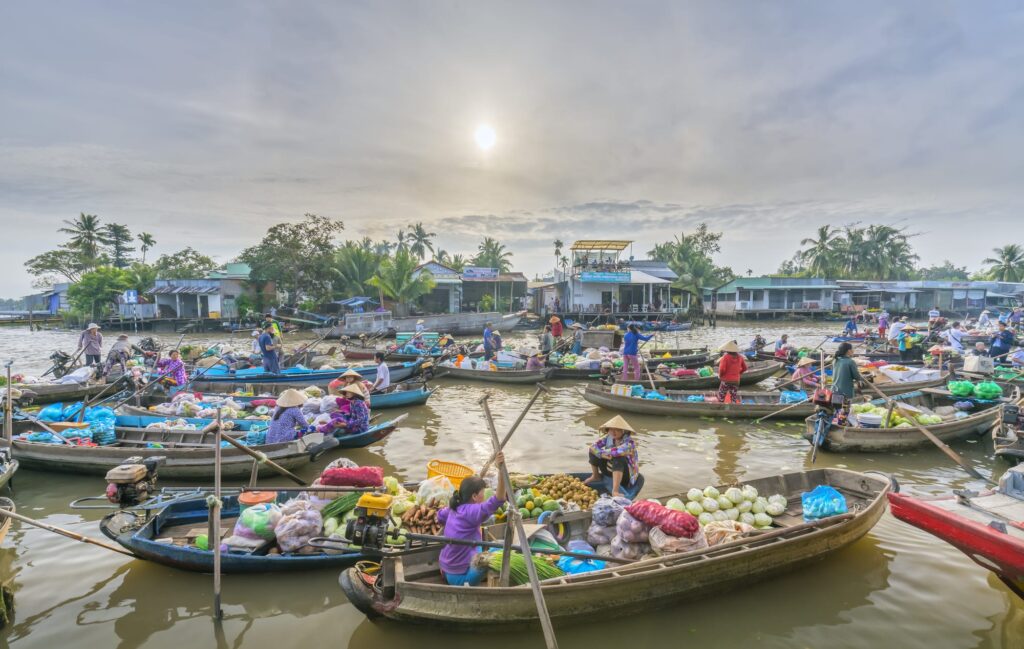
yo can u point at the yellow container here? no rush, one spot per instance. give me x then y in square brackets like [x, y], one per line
[455, 472]
[375, 504]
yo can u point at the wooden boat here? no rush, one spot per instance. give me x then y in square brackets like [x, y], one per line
[181, 520]
[188, 452]
[498, 376]
[44, 393]
[1008, 434]
[890, 388]
[752, 405]
[410, 587]
[687, 360]
[756, 372]
[5, 524]
[260, 381]
[399, 395]
[843, 439]
[985, 526]
[8, 467]
[457, 324]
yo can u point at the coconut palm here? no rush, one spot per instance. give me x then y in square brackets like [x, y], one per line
[147, 241]
[87, 237]
[396, 278]
[558, 250]
[492, 254]
[420, 240]
[1007, 265]
[402, 238]
[354, 266]
[820, 257]
[457, 262]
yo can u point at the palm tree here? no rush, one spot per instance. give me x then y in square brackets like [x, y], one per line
[401, 238]
[147, 241]
[820, 256]
[558, 251]
[420, 240]
[563, 261]
[396, 278]
[492, 254]
[1007, 265]
[457, 262]
[87, 237]
[354, 266]
[383, 248]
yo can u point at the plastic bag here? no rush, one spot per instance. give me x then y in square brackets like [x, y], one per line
[960, 388]
[636, 391]
[439, 489]
[823, 501]
[361, 476]
[311, 407]
[300, 521]
[575, 566]
[342, 462]
[695, 398]
[101, 424]
[598, 535]
[258, 522]
[631, 530]
[663, 543]
[624, 550]
[52, 412]
[792, 396]
[988, 390]
[719, 532]
[607, 509]
[672, 522]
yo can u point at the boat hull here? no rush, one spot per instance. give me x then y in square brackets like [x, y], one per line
[601, 396]
[758, 372]
[459, 324]
[500, 376]
[260, 383]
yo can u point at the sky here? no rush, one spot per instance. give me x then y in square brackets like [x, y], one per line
[205, 123]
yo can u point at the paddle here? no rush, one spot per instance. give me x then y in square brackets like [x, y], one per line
[487, 465]
[63, 532]
[36, 420]
[524, 543]
[259, 457]
[935, 440]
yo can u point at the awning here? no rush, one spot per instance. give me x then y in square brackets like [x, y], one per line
[640, 277]
[356, 301]
[183, 290]
[600, 244]
[881, 290]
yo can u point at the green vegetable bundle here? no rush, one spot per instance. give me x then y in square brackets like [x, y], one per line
[961, 388]
[340, 505]
[988, 390]
[517, 568]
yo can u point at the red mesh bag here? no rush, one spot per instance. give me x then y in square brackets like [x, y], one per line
[670, 521]
[360, 476]
[270, 403]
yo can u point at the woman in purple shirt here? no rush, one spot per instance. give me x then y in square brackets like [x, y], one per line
[467, 511]
[287, 421]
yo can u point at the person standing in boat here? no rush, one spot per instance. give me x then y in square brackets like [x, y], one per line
[276, 331]
[1001, 342]
[268, 348]
[984, 322]
[955, 337]
[467, 510]
[883, 324]
[906, 341]
[488, 343]
[614, 461]
[577, 338]
[845, 375]
[119, 354]
[631, 352]
[383, 380]
[556, 326]
[91, 342]
[731, 367]
[287, 422]
[547, 341]
[496, 341]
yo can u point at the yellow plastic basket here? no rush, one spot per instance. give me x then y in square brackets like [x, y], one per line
[455, 472]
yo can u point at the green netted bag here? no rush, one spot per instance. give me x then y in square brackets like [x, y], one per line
[961, 388]
[988, 390]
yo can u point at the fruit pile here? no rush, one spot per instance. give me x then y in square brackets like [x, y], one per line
[566, 487]
[531, 502]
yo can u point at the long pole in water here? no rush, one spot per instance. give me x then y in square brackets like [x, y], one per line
[524, 544]
[63, 532]
[214, 535]
[8, 411]
[487, 466]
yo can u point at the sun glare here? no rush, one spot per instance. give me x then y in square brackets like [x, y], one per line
[485, 137]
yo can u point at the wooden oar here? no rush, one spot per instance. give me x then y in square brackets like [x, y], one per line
[935, 440]
[36, 420]
[259, 457]
[781, 410]
[63, 532]
[487, 465]
[524, 543]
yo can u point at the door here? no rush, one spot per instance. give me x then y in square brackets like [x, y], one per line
[606, 299]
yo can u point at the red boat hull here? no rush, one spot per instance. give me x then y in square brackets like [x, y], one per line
[1001, 553]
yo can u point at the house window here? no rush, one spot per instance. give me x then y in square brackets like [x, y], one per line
[812, 295]
[726, 297]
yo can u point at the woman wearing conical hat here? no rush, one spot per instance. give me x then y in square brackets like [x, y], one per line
[731, 366]
[614, 462]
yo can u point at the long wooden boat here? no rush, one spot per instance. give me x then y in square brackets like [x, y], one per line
[399, 395]
[1008, 435]
[689, 361]
[188, 453]
[984, 526]
[410, 587]
[498, 376]
[756, 372]
[451, 323]
[8, 467]
[43, 393]
[260, 382]
[890, 388]
[164, 538]
[841, 439]
[752, 404]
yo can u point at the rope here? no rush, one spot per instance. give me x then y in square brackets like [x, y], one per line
[213, 501]
[261, 457]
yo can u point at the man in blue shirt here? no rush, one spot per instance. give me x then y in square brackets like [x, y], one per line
[269, 349]
[1001, 342]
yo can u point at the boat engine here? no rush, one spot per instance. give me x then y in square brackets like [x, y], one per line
[133, 481]
[370, 526]
[61, 363]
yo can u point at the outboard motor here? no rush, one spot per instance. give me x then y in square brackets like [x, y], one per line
[61, 363]
[369, 528]
[133, 481]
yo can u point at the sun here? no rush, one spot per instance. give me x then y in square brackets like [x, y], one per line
[485, 137]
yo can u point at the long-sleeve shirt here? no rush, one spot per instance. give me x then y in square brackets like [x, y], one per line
[1001, 342]
[285, 428]
[175, 369]
[464, 523]
[805, 376]
[631, 343]
[845, 375]
[352, 414]
[731, 367]
[91, 343]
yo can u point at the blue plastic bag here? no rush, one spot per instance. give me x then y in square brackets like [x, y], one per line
[695, 398]
[574, 566]
[51, 412]
[71, 412]
[823, 501]
[651, 394]
[101, 424]
[792, 396]
[636, 391]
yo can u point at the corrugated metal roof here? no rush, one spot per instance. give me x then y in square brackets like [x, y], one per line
[170, 289]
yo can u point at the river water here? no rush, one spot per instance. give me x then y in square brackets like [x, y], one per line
[897, 587]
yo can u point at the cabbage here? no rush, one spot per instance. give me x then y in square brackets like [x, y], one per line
[694, 508]
[694, 495]
[778, 498]
[676, 504]
[391, 483]
[720, 516]
[749, 492]
[758, 506]
[762, 520]
[711, 492]
[744, 506]
[747, 517]
[775, 509]
[732, 513]
[705, 518]
[734, 494]
[709, 505]
[724, 503]
[654, 500]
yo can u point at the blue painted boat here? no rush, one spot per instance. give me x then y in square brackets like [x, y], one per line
[401, 396]
[221, 378]
[148, 540]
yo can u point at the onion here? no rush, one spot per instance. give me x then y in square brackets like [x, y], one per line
[709, 505]
[711, 492]
[734, 494]
[694, 495]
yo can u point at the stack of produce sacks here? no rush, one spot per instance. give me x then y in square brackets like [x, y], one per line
[603, 519]
[669, 530]
[741, 504]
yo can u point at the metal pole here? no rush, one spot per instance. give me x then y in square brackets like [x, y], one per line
[214, 535]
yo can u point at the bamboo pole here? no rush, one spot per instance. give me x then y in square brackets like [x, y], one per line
[214, 535]
[259, 457]
[487, 465]
[63, 532]
[9, 409]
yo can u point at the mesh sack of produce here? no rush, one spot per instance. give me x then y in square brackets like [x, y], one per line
[719, 532]
[342, 462]
[438, 489]
[663, 543]
[101, 424]
[52, 412]
[960, 388]
[258, 522]
[672, 522]
[622, 549]
[296, 527]
[821, 502]
[312, 406]
[631, 530]
[256, 437]
[598, 535]
[607, 509]
[360, 476]
[575, 565]
[988, 390]
[328, 405]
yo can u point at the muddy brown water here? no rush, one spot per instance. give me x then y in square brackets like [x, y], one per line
[897, 587]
